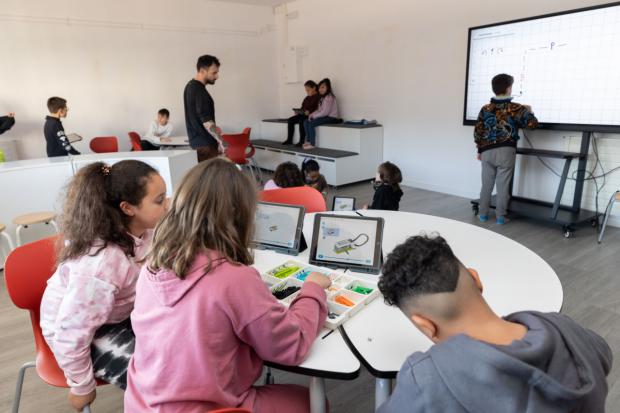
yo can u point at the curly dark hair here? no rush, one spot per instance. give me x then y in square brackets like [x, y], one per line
[288, 175]
[92, 211]
[390, 175]
[421, 265]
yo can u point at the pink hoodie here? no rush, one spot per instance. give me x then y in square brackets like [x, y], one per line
[201, 342]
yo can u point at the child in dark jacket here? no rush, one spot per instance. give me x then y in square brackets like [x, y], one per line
[387, 189]
[57, 141]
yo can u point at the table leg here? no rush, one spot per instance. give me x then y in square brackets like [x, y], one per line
[317, 395]
[383, 388]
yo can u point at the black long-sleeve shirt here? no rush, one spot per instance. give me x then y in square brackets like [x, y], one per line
[6, 123]
[57, 142]
[386, 197]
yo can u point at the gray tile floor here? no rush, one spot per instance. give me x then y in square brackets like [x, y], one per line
[590, 275]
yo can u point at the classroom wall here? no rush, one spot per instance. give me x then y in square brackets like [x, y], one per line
[118, 62]
[402, 62]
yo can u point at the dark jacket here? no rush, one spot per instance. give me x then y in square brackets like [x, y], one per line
[499, 122]
[386, 197]
[558, 367]
[6, 123]
[57, 142]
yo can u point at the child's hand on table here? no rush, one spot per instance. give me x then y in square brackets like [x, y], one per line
[79, 402]
[319, 279]
[165, 140]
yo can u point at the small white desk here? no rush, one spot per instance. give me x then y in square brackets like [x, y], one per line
[514, 279]
[171, 141]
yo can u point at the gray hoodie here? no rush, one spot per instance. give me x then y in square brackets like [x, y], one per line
[557, 367]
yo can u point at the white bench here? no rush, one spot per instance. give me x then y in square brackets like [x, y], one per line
[345, 153]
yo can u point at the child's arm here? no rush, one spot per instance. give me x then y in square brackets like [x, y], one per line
[480, 130]
[379, 199]
[167, 130]
[527, 120]
[85, 307]
[66, 145]
[324, 108]
[152, 133]
[279, 334]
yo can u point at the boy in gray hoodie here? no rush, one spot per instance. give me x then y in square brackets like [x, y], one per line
[525, 362]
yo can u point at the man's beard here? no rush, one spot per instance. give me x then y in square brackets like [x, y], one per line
[210, 82]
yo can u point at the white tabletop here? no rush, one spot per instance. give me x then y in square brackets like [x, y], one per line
[514, 279]
[171, 141]
[329, 357]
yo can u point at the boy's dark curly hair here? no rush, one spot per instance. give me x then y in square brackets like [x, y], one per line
[421, 265]
[288, 175]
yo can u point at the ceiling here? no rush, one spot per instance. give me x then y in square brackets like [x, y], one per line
[266, 3]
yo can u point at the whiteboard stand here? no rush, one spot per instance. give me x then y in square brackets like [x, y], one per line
[555, 212]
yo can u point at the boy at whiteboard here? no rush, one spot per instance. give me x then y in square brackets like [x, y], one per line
[496, 135]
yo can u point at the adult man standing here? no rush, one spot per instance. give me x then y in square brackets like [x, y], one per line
[200, 110]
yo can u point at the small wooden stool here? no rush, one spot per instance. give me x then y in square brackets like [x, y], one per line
[614, 198]
[23, 221]
[8, 240]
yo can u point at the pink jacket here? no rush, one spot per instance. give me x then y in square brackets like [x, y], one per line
[327, 107]
[81, 296]
[201, 342]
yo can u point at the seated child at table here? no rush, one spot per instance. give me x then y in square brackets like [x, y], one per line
[203, 318]
[312, 173]
[287, 175]
[106, 228]
[159, 128]
[387, 189]
[57, 142]
[524, 362]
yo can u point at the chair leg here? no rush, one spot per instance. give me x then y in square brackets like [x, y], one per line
[8, 240]
[18, 234]
[86, 409]
[260, 171]
[607, 214]
[269, 377]
[55, 225]
[20, 383]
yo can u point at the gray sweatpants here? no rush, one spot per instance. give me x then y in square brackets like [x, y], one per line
[498, 167]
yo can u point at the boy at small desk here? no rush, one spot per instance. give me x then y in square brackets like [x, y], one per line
[496, 135]
[159, 128]
[523, 362]
[57, 141]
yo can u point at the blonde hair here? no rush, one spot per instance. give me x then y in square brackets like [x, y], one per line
[213, 209]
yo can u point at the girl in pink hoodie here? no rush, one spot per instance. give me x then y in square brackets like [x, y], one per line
[203, 319]
[106, 228]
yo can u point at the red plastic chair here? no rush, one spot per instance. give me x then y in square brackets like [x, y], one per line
[231, 410]
[27, 270]
[237, 146]
[310, 198]
[104, 144]
[135, 140]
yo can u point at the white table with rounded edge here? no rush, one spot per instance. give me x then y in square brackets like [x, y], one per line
[329, 357]
[514, 279]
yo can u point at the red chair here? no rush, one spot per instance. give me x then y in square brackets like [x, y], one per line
[237, 146]
[27, 270]
[310, 198]
[104, 144]
[135, 140]
[231, 410]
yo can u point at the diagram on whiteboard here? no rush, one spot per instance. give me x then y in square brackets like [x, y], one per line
[565, 67]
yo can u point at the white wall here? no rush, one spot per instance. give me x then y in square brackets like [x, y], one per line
[117, 62]
[402, 62]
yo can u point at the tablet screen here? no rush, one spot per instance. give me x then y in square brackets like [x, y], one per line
[278, 225]
[344, 204]
[351, 241]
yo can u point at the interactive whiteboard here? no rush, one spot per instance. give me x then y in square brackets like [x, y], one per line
[565, 65]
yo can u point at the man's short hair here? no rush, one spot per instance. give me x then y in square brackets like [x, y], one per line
[421, 265]
[501, 83]
[206, 61]
[54, 104]
[164, 112]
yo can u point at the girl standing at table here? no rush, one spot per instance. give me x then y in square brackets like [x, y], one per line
[326, 113]
[203, 318]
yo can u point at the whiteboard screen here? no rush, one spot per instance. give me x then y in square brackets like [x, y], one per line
[566, 66]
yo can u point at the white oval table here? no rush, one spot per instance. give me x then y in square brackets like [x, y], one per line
[514, 279]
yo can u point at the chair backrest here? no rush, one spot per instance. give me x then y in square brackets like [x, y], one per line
[309, 197]
[247, 131]
[104, 144]
[236, 146]
[135, 139]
